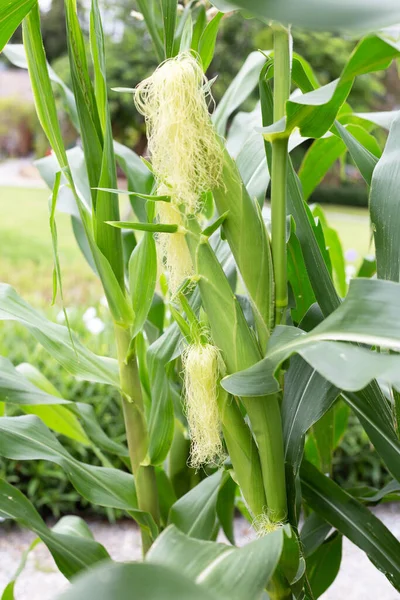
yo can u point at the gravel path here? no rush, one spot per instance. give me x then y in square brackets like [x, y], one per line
[358, 579]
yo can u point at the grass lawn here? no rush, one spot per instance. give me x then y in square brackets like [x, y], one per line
[26, 258]
[354, 229]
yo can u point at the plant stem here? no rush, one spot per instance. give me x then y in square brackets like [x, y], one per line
[136, 432]
[279, 173]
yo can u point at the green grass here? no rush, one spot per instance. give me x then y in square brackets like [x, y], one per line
[26, 259]
[353, 227]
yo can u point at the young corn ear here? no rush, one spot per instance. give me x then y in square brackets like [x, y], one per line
[186, 155]
[202, 368]
[263, 524]
[173, 246]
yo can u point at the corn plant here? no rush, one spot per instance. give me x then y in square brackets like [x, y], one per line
[240, 350]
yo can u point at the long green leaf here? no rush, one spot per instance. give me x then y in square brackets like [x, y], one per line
[145, 581]
[240, 88]
[195, 513]
[55, 338]
[47, 112]
[323, 566]
[367, 316]
[207, 41]
[354, 16]
[72, 553]
[16, 389]
[27, 438]
[107, 204]
[67, 420]
[169, 9]
[12, 12]
[41, 85]
[320, 157]
[385, 211]
[306, 399]
[314, 112]
[147, 9]
[230, 573]
[365, 160]
[142, 279]
[353, 520]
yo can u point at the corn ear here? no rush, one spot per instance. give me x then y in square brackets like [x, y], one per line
[248, 239]
[233, 337]
[243, 452]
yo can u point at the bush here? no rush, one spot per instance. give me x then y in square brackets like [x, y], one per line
[45, 484]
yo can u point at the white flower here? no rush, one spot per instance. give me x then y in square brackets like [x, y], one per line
[103, 301]
[60, 318]
[89, 314]
[351, 255]
[350, 272]
[95, 325]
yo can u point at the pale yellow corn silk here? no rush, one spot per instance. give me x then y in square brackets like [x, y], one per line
[186, 154]
[173, 246]
[202, 369]
[264, 524]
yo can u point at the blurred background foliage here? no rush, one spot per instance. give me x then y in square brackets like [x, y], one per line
[130, 58]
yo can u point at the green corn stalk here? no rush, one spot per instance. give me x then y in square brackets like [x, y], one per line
[240, 350]
[243, 452]
[279, 173]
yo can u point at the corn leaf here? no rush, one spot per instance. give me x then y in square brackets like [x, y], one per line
[195, 513]
[28, 438]
[149, 227]
[230, 573]
[41, 85]
[146, 7]
[298, 277]
[207, 41]
[352, 16]
[198, 28]
[107, 204]
[314, 113]
[384, 208]
[16, 389]
[238, 91]
[77, 359]
[149, 582]
[142, 280]
[72, 553]
[78, 410]
[58, 418]
[169, 10]
[335, 250]
[323, 566]
[363, 157]
[353, 520]
[361, 319]
[12, 13]
[320, 157]
[306, 399]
